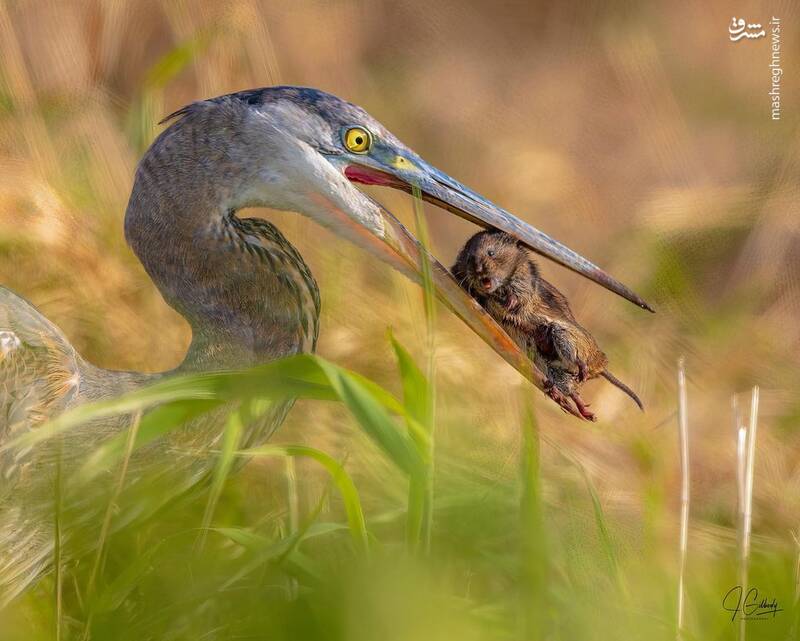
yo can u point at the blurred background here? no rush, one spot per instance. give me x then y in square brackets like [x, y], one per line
[636, 133]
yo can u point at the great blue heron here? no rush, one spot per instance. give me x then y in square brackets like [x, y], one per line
[245, 291]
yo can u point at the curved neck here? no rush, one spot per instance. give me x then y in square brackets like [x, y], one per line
[245, 291]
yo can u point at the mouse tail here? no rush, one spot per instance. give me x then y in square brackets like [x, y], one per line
[618, 383]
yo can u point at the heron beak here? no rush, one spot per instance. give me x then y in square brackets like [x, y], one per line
[405, 171]
[398, 247]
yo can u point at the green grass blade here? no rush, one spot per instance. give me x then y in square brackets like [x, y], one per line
[415, 385]
[429, 292]
[153, 425]
[58, 486]
[533, 595]
[301, 376]
[172, 63]
[106, 527]
[416, 511]
[230, 443]
[374, 419]
[429, 397]
[284, 551]
[342, 480]
[255, 542]
[417, 399]
[415, 427]
[112, 597]
[606, 540]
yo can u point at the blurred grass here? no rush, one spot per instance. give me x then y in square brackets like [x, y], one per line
[506, 560]
[635, 133]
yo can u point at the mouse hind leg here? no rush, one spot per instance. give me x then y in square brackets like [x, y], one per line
[567, 384]
[566, 347]
[561, 386]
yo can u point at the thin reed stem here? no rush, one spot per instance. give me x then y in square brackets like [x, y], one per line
[747, 511]
[430, 368]
[291, 491]
[99, 558]
[294, 513]
[533, 596]
[59, 578]
[683, 433]
[796, 604]
[230, 443]
[741, 443]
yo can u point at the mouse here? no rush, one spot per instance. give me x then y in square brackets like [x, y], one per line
[500, 272]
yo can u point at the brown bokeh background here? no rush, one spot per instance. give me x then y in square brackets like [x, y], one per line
[636, 133]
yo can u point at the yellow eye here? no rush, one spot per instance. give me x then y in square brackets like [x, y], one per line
[357, 140]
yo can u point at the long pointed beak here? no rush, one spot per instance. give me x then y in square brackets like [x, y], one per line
[402, 171]
[396, 246]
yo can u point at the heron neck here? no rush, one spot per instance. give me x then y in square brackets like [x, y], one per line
[245, 291]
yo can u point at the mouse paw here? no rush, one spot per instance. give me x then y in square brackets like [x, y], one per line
[581, 377]
[583, 408]
[555, 394]
[512, 302]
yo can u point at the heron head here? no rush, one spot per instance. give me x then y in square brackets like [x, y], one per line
[309, 149]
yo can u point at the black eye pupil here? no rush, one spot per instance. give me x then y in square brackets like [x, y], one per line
[490, 252]
[359, 140]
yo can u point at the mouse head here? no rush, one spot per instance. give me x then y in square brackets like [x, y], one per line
[491, 259]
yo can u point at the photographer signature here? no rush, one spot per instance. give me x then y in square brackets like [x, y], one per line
[749, 608]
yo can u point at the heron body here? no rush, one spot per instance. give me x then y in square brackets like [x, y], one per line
[245, 291]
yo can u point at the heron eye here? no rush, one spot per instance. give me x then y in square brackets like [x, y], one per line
[490, 252]
[357, 140]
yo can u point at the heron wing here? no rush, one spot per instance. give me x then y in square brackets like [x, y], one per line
[39, 374]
